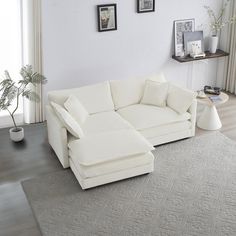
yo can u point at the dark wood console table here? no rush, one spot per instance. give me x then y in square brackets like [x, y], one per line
[219, 53]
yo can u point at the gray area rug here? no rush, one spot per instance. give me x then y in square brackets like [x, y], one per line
[192, 192]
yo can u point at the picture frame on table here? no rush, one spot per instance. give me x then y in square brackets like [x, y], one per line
[107, 17]
[193, 37]
[181, 26]
[144, 6]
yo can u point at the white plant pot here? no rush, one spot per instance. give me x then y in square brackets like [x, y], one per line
[213, 43]
[18, 135]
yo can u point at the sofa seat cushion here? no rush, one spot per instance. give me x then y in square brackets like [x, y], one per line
[104, 122]
[113, 166]
[146, 116]
[166, 129]
[109, 146]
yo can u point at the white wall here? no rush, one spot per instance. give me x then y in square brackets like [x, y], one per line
[75, 54]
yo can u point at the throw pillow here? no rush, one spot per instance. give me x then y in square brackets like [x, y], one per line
[68, 121]
[180, 99]
[76, 109]
[155, 93]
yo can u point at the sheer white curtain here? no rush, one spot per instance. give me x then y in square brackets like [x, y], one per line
[32, 54]
[230, 72]
[10, 42]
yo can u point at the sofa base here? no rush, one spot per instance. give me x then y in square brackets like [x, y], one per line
[171, 137]
[86, 183]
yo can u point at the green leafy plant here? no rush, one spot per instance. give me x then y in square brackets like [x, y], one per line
[11, 90]
[217, 20]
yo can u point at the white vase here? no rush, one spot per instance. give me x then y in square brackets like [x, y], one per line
[16, 135]
[213, 43]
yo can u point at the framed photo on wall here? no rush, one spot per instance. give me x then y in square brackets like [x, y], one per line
[107, 19]
[145, 6]
[181, 26]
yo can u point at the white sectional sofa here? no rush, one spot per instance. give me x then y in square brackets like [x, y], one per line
[119, 123]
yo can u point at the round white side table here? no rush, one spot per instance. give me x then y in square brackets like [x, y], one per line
[209, 119]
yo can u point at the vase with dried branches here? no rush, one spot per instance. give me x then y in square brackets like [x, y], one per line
[217, 22]
[10, 90]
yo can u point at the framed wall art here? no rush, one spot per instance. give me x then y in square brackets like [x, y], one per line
[107, 19]
[181, 26]
[145, 6]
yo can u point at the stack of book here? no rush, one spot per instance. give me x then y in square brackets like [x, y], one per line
[215, 98]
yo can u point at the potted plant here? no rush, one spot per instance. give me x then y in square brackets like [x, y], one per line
[217, 22]
[11, 90]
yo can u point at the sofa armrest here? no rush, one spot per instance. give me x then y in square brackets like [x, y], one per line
[57, 136]
[193, 111]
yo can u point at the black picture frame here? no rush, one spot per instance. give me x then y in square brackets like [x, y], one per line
[145, 6]
[107, 17]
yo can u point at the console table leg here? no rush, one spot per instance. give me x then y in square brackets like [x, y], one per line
[190, 75]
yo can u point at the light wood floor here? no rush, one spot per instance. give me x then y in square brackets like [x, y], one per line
[34, 158]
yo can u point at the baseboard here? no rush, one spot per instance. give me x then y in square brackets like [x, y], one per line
[6, 121]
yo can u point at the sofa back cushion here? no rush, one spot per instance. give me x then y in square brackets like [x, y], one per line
[95, 98]
[126, 92]
[130, 91]
[158, 78]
